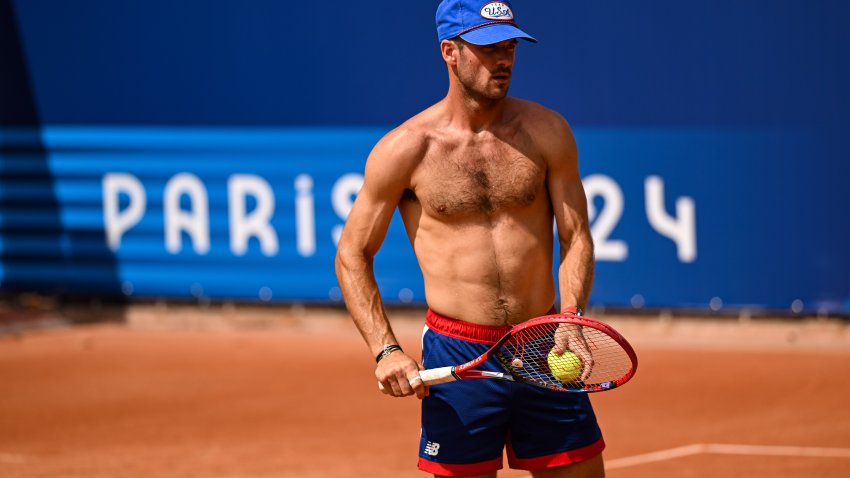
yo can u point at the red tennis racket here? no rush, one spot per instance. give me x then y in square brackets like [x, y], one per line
[606, 360]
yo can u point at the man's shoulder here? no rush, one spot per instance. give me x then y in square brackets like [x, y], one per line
[402, 148]
[413, 136]
[549, 130]
[536, 114]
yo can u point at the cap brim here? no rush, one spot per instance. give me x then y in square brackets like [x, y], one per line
[495, 33]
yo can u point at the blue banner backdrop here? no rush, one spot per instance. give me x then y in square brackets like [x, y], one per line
[255, 214]
[211, 150]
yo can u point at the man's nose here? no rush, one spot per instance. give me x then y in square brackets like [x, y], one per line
[504, 58]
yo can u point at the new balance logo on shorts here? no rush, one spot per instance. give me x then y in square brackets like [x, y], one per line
[432, 448]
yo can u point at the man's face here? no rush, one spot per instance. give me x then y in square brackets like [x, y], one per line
[485, 70]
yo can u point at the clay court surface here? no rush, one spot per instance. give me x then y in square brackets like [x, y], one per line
[262, 393]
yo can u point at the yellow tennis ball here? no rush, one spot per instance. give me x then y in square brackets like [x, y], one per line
[565, 367]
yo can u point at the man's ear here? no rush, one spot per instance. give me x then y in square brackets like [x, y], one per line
[450, 51]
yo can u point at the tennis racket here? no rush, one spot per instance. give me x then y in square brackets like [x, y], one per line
[607, 360]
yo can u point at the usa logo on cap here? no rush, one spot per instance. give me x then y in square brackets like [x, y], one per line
[497, 11]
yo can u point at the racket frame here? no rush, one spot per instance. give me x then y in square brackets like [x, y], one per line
[466, 371]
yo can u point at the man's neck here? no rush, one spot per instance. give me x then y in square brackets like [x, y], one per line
[473, 112]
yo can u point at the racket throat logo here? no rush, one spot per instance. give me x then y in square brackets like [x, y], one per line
[432, 448]
[471, 364]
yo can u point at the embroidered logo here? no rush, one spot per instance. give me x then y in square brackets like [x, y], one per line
[497, 11]
[431, 448]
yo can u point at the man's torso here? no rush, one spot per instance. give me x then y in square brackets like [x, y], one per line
[479, 217]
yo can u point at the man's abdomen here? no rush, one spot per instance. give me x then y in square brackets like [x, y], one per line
[488, 272]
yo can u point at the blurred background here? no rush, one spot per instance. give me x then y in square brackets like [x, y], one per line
[210, 151]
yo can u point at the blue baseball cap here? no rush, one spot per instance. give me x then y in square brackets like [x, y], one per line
[480, 22]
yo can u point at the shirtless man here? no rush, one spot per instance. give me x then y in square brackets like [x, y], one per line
[478, 178]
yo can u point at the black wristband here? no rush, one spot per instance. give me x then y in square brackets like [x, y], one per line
[388, 349]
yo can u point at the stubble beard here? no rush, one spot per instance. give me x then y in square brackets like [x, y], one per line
[482, 94]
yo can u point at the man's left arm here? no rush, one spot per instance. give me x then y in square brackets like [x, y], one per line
[569, 204]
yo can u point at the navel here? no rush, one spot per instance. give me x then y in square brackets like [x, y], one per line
[484, 203]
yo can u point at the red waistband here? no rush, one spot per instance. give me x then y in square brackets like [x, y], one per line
[459, 329]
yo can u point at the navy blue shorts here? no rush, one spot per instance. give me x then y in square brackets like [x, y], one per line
[466, 425]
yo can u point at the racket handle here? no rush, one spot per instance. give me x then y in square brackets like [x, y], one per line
[432, 376]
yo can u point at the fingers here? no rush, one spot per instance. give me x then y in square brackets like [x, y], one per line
[561, 340]
[583, 352]
[569, 337]
[398, 376]
[560, 347]
[396, 387]
[419, 388]
[586, 369]
[390, 386]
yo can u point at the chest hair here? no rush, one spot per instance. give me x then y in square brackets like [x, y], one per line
[479, 179]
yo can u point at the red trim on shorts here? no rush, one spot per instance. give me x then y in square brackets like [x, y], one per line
[568, 457]
[459, 329]
[465, 469]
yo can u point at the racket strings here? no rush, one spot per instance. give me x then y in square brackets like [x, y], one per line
[526, 355]
[518, 362]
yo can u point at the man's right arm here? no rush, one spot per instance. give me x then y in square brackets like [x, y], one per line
[388, 173]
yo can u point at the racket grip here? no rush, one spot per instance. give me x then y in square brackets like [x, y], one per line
[432, 376]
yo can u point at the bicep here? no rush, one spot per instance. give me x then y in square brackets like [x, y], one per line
[387, 175]
[369, 219]
[569, 203]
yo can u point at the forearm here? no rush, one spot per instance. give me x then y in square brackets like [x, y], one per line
[363, 299]
[396, 371]
[575, 273]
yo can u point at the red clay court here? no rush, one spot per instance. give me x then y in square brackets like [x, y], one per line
[181, 392]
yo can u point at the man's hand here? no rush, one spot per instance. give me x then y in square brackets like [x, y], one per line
[398, 375]
[569, 337]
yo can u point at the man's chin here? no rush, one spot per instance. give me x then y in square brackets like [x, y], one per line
[499, 94]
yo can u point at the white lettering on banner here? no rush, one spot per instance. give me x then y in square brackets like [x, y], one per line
[305, 216]
[195, 221]
[603, 223]
[244, 225]
[682, 228]
[342, 198]
[115, 221]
